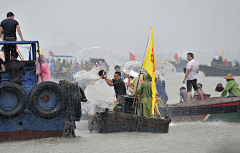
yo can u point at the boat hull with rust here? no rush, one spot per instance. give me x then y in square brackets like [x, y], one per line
[110, 122]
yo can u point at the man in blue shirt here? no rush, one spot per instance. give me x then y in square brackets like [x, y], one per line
[160, 85]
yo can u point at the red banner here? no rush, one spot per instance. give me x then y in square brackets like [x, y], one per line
[176, 57]
[50, 53]
[132, 57]
[225, 62]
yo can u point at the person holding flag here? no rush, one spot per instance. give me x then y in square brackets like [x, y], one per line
[145, 96]
[144, 88]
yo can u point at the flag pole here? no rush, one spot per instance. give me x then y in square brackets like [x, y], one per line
[135, 94]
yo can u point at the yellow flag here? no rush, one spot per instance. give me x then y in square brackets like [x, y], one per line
[41, 53]
[149, 65]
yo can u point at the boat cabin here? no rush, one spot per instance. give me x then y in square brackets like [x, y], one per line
[30, 78]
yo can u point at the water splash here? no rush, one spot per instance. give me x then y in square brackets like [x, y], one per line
[98, 98]
[85, 50]
[162, 69]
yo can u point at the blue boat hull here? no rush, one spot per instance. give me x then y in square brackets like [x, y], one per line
[29, 126]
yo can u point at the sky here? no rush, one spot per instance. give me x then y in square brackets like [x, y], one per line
[123, 26]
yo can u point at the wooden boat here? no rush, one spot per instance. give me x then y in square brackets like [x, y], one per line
[125, 121]
[210, 109]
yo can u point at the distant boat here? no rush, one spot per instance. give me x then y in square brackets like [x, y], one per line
[179, 65]
[220, 68]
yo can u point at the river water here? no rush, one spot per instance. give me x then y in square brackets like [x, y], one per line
[202, 137]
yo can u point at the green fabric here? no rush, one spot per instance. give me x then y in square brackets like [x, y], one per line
[136, 80]
[231, 88]
[145, 97]
[57, 65]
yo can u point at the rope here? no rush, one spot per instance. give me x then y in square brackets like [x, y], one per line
[93, 120]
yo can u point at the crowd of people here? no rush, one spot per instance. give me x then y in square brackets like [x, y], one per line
[123, 83]
[64, 65]
[141, 85]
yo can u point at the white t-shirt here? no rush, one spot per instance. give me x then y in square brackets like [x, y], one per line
[125, 81]
[193, 65]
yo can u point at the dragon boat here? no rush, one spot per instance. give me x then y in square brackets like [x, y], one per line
[209, 109]
[33, 111]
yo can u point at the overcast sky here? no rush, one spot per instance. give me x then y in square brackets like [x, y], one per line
[123, 26]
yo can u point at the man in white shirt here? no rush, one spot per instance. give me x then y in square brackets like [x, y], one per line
[192, 69]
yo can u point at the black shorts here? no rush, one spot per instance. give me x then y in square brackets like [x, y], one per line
[190, 84]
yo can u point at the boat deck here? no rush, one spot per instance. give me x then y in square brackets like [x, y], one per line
[205, 102]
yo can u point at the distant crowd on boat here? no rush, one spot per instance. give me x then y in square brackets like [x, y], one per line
[58, 65]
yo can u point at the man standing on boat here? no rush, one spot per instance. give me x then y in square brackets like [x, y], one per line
[118, 84]
[9, 26]
[192, 69]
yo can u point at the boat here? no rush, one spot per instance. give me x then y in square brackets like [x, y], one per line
[219, 71]
[125, 120]
[220, 68]
[34, 111]
[179, 65]
[209, 109]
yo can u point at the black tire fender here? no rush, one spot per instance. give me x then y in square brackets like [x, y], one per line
[77, 102]
[43, 93]
[13, 88]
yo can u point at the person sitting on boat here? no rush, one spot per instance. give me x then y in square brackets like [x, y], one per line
[145, 96]
[45, 74]
[160, 86]
[231, 87]
[16, 69]
[199, 85]
[192, 69]
[118, 84]
[183, 95]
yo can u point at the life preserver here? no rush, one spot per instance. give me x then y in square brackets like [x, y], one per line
[77, 102]
[13, 100]
[47, 100]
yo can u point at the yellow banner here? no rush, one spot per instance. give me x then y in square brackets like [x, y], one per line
[149, 65]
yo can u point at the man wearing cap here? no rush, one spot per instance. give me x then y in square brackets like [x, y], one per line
[231, 87]
[192, 69]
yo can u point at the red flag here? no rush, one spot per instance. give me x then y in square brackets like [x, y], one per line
[225, 62]
[176, 57]
[132, 57]
[50, 53]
